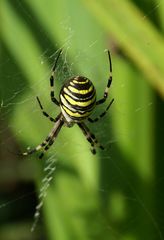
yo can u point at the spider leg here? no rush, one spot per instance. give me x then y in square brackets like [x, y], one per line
[49, 144]
[52, 78]
[49, 139]
[40, 146]
[102, 114]
[90, 137]
[52, 139]
[46, 114]
[102, 100]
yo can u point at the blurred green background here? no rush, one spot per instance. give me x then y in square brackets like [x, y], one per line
[118, 193]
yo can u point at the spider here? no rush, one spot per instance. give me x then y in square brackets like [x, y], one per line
[77, 99]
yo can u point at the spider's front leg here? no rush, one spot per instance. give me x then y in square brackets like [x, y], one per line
[102, 100]
[52, 78]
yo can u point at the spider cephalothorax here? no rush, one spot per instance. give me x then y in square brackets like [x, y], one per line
[77, 99]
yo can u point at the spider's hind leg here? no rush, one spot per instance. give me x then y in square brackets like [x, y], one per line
[40, 146]
[49, 139]
[49, 144]
[90, 137]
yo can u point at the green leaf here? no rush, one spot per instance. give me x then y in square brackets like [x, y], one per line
[135, 35]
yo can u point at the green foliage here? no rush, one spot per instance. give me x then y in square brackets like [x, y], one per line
[116, 194]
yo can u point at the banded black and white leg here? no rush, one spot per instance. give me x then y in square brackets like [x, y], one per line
[52, 79]
[90, 137]
[45, 149]
[45, 113]
[102, 114]
[39, 147]
[54, 135]
[49, 140]
[102, 100]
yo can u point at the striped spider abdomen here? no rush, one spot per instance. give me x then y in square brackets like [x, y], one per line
[77, 99]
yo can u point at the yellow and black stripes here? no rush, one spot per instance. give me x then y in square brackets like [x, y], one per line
[78, 98]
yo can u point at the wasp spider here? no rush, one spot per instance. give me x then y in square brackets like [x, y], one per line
[77, 99]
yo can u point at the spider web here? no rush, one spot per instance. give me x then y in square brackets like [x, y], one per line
[50, 163]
